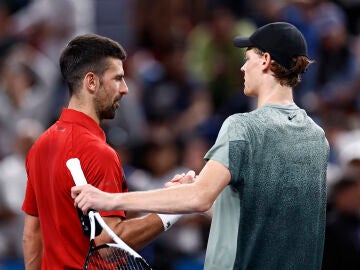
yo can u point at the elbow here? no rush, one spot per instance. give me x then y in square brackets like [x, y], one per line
[202, 203]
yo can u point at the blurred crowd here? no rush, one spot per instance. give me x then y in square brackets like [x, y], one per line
[184, 79]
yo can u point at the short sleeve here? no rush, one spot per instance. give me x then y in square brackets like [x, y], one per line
[220, 150]
[232, 147]
[29, 205]
[102, 168]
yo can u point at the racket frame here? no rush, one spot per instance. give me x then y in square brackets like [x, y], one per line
[79, 178]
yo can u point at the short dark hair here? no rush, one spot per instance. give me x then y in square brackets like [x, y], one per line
[87, 53]
[289, 76]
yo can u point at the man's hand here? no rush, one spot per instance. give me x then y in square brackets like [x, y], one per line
[183, 178]
[87, 197]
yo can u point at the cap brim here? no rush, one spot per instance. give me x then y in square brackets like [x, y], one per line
[242, 42]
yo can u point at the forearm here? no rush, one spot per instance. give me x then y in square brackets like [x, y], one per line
[178, 199]
[195, 197]
[136, 232]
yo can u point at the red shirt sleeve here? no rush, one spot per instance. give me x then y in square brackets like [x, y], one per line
[102, 169]
[29, 205]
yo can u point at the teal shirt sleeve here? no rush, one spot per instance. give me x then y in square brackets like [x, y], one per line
[220, 150]
[232, 148]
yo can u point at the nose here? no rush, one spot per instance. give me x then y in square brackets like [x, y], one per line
[123, 88]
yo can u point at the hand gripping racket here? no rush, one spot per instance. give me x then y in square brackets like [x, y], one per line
[116, 255]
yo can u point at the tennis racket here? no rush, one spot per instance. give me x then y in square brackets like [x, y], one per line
[117, 255]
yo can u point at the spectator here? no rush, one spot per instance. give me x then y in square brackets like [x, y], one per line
[336, 62]
[342, 239]
[213, 58]
[25, 90]
[12, 188]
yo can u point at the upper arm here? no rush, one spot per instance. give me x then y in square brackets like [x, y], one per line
[32, 242]
[232, 148]
[29, 205]
[103, 170]
[32, 233]
[31, 225]
[213, 178]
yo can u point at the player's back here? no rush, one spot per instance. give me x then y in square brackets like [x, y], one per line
[274, 207]
[284, 193]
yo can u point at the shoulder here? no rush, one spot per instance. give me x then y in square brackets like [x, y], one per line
[237, 126]
[90, 143]
[319, 133]
[100, 161]
[238, 119]
[99, 151]
[314, 126]
[44, 140]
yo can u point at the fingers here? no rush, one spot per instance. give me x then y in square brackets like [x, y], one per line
[75, 191]
[188, 178]
[79, 194]
[183, 178]
[191, 173]
[177, 177]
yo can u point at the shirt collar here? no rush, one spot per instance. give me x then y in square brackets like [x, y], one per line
[79, 118]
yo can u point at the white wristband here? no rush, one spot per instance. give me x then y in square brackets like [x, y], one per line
[168, 220]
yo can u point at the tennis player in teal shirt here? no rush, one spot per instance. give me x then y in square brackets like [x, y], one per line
[265, 174]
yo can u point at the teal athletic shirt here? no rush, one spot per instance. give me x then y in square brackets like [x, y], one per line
[272, 214]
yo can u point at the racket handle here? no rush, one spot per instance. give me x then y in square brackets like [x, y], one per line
[85, 224]
[78, 176]
[77, 173]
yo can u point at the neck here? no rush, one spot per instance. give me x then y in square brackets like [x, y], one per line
[275, 94]
[78, 104]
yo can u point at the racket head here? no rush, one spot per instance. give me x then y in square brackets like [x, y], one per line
[112, 256]
[116, 255]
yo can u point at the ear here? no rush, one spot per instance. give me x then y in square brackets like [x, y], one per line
[266, 64]
[91, 82]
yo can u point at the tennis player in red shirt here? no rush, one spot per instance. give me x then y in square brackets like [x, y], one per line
[92, 67]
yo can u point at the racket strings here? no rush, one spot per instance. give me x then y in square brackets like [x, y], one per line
[114, 258]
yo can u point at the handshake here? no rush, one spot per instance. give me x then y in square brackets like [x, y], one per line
[88, 197]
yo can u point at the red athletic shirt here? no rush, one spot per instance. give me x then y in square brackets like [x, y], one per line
[49, 182]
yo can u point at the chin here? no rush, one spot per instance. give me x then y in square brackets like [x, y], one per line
[249, 93]
[110, 114]
[109, 117]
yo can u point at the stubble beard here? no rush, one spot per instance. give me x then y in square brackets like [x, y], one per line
[107, 113]
[104, 111]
